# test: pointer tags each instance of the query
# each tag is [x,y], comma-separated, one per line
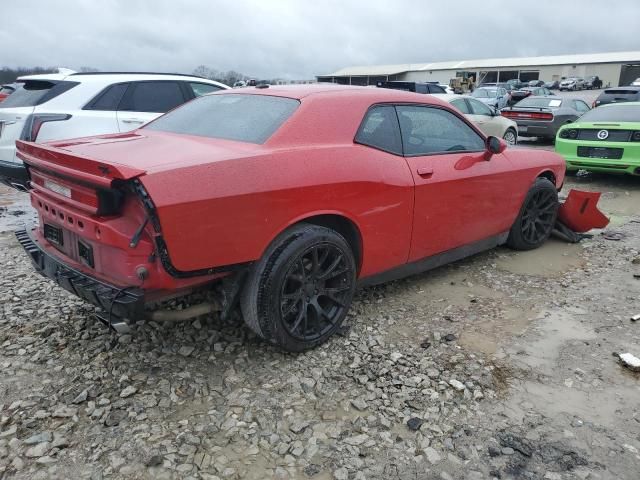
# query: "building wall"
[609,73]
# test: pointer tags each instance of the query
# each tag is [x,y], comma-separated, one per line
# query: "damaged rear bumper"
[118,303]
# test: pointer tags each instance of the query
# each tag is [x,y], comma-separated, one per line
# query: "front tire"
[300,291]
[536,218]
[510,136]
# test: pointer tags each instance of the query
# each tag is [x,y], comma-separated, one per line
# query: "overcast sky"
[301,39]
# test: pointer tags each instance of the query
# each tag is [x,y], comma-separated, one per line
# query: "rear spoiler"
[62,163]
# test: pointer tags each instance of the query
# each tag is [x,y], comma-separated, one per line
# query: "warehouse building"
[614,69]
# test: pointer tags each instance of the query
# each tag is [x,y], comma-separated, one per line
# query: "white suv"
[69,105]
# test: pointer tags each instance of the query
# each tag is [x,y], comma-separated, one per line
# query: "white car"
[70,105]
[487,119]
[636,82]
[572,83]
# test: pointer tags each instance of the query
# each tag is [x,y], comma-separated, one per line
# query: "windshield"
[239,117]
[613,113]
[484,93]
[540,102]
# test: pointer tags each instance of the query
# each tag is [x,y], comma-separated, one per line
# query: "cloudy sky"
[303,38]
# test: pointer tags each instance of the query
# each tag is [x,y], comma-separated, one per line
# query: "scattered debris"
[615,236]
[630,361]
[635,318]
[449,337]
[414,423]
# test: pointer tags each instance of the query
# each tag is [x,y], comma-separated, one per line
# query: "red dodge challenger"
[290,196]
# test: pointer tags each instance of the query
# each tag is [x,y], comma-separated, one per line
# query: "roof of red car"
[302,91]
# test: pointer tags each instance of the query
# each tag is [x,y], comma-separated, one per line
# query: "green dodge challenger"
[605,139]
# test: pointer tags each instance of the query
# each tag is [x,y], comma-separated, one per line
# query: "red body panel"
[221,202]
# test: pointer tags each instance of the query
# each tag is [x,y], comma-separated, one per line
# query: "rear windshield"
[244,118]
[484,93]
[621,92]
[540,102]
[613,113]
[35,92]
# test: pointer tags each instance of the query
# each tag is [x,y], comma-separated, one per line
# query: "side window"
[200,89]
[461,105]
[479,108]
[156,97]
[427,130]
[580,106]
[109,99]
[380,130]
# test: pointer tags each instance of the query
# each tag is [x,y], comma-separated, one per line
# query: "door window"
[479,108]
[380,130]
[155,97]
[428,130]
[109,99]
[200,89]
[461,105]
[580,106]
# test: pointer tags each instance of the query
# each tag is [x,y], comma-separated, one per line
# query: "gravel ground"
[499,366]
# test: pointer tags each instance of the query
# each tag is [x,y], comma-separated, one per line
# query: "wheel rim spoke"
[316,292]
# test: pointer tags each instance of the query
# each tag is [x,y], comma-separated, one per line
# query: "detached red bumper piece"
[580,211]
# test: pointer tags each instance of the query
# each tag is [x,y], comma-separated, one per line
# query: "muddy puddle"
[552,259]
[620,194]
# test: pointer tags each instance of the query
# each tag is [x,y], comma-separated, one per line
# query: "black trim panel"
[122,303]
[434,261]
[14,175]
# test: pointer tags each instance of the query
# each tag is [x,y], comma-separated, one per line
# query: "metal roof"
[374,70]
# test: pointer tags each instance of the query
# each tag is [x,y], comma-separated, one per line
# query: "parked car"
[506,85]
[496,97]
[402,183]
[617,95]
[486,118]
[552,85]
[416,87]
[536,83]
[572,83]
[592,82]
[606,139]
[543,116]
[525,92]
[6,90]
[447,88]
[636,82]
[68,105]
[517,84]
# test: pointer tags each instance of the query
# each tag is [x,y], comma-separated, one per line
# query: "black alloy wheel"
[537,217]
[315,292]
[297,295]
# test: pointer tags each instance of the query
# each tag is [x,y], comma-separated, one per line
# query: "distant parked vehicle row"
[540,116]
[70,105]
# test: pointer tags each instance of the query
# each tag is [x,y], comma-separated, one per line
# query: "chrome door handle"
[132,120]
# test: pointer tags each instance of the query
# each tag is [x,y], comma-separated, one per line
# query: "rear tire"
[536,218]
[300,291]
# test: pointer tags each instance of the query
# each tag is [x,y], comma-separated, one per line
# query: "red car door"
[461,191]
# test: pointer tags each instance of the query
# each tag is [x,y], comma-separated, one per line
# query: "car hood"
[153,151]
